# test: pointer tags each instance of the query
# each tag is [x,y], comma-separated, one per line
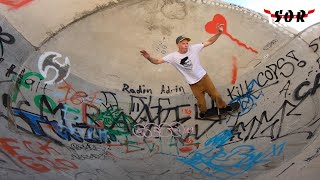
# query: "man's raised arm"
[215,37]
[146,55]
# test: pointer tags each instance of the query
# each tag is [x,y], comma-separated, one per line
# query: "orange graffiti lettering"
[34,166]
[33,163]
[10,149]
[27,143]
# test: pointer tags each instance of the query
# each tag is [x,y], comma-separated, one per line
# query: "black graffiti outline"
[270,44]
[316,154]
[285,169]
[273,135]
[286,88]
[10,40]
[311,45]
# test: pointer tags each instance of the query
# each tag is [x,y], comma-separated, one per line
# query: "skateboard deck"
[220,114]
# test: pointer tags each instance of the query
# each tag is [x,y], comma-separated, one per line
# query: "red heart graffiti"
[211,27]
[15,4]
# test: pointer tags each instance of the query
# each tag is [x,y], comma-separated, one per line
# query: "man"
[186,61]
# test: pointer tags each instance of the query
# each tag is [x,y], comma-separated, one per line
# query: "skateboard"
[220,114]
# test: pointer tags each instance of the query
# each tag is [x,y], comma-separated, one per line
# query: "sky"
[294,5]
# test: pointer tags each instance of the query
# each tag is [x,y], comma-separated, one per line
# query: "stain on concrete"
[174,10]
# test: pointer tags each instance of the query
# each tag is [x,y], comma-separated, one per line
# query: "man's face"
[183,45]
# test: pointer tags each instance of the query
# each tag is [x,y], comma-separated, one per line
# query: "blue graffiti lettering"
[247,100]
[214,161]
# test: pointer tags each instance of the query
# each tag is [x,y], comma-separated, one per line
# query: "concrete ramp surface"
[78,101]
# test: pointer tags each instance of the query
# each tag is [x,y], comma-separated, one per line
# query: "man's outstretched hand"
[145,54]
[220,28]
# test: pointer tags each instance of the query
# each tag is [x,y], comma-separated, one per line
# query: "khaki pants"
[205,85]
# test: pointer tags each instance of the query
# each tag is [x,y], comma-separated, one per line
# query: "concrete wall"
[59,125]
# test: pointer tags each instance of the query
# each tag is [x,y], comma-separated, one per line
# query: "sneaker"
[202,115]
[228,109]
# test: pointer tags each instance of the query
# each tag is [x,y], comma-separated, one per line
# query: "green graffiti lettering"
[37,102]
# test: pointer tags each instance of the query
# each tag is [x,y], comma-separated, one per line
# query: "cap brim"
[188,39]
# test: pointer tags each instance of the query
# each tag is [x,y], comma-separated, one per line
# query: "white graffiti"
[175,129]
[47,61]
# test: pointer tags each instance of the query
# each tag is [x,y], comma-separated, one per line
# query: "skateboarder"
[186,61]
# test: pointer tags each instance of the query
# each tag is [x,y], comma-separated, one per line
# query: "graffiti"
[38,149]
[76,97]
[149,148]
[281,68]
[285,169]
[140,90]
[178,146]
[91,156]
[211,28]
[314,46]
[111,118]
[271,73]
[88,123]
[169,90]
[99,127]
[155,114]
[317,154]
[186,111]
[311,91]
[286,88]
[15,76]
[215,161]
[188,145]
[301,63]
[15,4]
[22,81]
[95,126]
[273,123]
[85,147]
[175,129]
[49,61]
[10,70]
[234,70]
[28,82]
[88,151]
[247,100]
[5,38]
[270,44]
[161,47]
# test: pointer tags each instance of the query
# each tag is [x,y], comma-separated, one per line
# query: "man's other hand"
[145,54]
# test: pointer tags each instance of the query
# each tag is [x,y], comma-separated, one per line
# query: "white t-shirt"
[188,64]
